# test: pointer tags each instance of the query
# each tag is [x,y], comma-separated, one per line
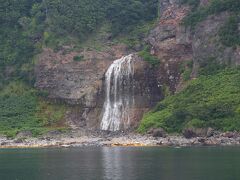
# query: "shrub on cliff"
[151,59]
[78,58]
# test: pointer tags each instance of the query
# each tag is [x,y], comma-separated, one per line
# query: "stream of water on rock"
[119,94]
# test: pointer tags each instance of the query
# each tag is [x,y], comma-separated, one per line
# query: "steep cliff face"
[78,84]
[81,85]
[174,42]
[171,42]
[206,43]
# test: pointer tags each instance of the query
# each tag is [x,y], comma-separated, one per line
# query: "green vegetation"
[78,58]
[209,101]
[17,45]
[124,15]
[80,18]
[29,25]
[21,109]
[145,54]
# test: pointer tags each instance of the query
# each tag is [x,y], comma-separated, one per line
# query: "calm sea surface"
[144,163]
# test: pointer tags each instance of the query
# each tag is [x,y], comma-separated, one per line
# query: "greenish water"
[143,163]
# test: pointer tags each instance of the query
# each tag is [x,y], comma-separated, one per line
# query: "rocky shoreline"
[79,139]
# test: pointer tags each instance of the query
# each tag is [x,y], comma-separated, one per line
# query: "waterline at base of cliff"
[79,138]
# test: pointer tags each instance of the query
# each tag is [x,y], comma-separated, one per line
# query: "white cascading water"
[119,94]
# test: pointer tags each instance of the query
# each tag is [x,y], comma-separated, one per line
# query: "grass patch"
[21,109]
[209,101]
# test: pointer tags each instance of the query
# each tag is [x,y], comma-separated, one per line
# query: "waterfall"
[119,94]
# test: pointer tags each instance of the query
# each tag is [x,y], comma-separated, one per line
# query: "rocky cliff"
[174,42]
[80,84]
[206,43]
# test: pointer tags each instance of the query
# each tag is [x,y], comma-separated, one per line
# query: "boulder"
[4,143]
[24,134]
[210,132]
[189,133]
[230,134]
[198,132]
[202,140]
[159,132]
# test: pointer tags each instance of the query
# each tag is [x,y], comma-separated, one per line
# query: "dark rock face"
[147,90]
